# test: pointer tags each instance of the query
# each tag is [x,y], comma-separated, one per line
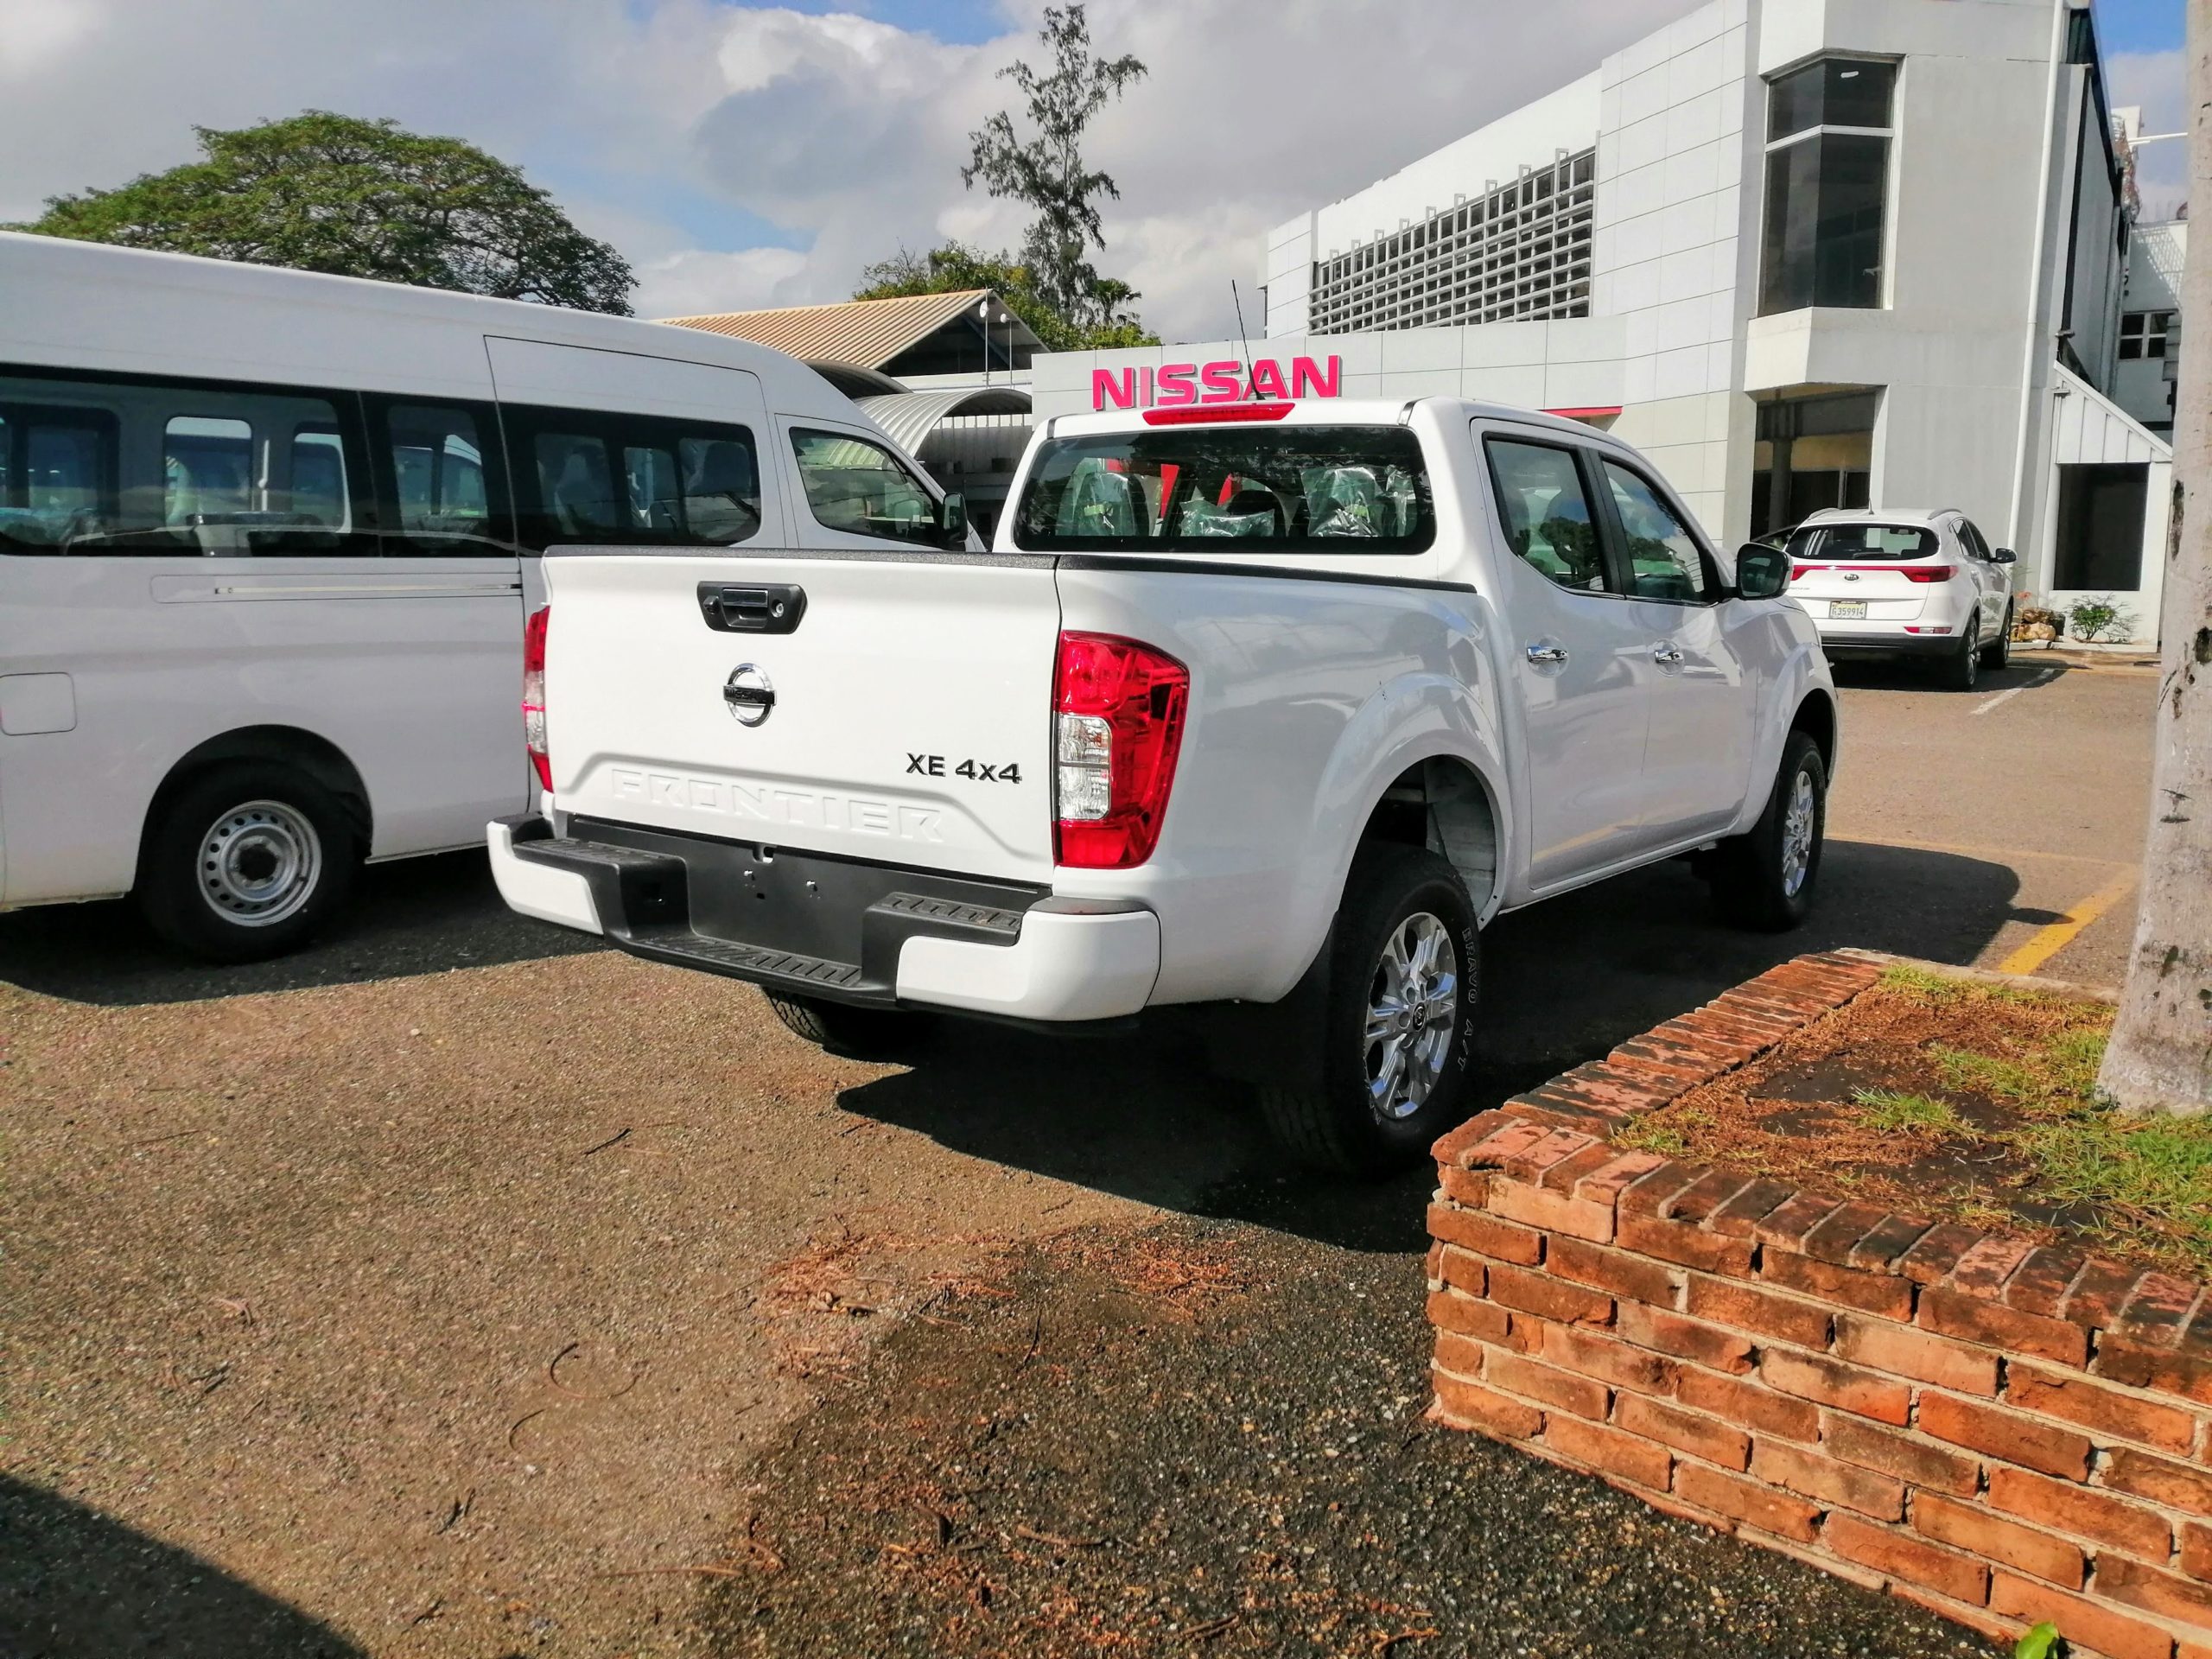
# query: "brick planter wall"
[2002,1431]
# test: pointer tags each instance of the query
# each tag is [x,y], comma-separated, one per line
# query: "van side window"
[112,465]
[857,486]
[443,493]
[638,481]
[1547,512]
[1664,560]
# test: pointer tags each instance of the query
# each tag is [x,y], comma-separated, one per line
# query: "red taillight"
[1798,570]
[533,694]
[1208,414]
[1928,573]
[1910,572]
[1117,719]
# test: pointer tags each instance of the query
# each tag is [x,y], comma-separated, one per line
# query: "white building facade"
[1803,253]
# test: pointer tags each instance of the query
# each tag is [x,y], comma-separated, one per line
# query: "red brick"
[1464,1272]
[1452,1147]
[1604,1185]
[2147,1368]
[1702,1437]
[1985,1267]
[1469,1405]
[1761,1310]
[1485,1235]
[2105,1410]
[1746,1501]
[2039,1284]
[1464,1316]
[1432,1263]
[1902,1556]
[2174,1484]
[1705,1195]
[1833,1383]
[1579,1394]
[1912,1353]
[2160,1309]
[1937,1252]
[2099,1292]
[1607,1358]
[1810,1474]
[1856,1440]
[1614,1271]
[2081,1510]
[1741,1215]
[1884,1242]
[1670,1333]
[1644,1195]
[1871,1293]
[1461,1356]
[1566,1175]
[1832,1241]
[1553,1212]
[1554,1298]
[1557,1146]
[1513,1136]
[2166,1594]
[2005,1434]
[1610,1451]
[1975,1318]
[1745,1403]
[2115,1634]
[1785,1227]
[1979,1532]
[1679,1240]
[1469,1189]
[2196,1549]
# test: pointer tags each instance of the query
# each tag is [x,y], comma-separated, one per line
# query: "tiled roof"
[869,332]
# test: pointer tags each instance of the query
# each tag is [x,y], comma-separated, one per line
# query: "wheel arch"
[1816,716]
[316,756]
[1446,803]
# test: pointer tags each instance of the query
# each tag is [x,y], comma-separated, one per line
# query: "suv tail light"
[533,694]
[1117,719]
[1928,573]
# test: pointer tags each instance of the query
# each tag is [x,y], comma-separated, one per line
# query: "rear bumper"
[1837,644]
[839,930]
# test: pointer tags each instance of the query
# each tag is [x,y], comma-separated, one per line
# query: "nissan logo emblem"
[750,698]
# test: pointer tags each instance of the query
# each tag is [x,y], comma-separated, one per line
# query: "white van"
[267,540]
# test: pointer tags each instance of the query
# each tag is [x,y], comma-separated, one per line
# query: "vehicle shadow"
[1903,674]
[1138,1115]
[415,916]
[76,1585]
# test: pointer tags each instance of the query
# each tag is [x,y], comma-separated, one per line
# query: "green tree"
[1046,169]
[954,266]
[352,198]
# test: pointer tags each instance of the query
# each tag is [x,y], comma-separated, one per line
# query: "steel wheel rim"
[259,863]
[1412,1011]
[1797,835]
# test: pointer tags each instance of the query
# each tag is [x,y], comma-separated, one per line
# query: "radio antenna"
[1250,391]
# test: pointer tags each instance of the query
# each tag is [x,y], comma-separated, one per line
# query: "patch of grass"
[1926,986]
[1893,1112]
[1669,1136]
[1962,1068]
[2151,1177]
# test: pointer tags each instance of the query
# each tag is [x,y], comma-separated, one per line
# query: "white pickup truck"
[1265,706]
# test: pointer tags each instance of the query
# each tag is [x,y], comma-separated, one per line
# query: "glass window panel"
[1824,213]
[576,482]
[319,477]
[1664,560]
[858,487]
[654,498]
[1547,513]
[442,498]
[1833,92]
[207,470]
[722,488]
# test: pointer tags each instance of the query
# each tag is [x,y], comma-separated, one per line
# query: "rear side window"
[860,488]
[625,479]
[445,488]
[1863,542]
[1546,513]
[1229,489]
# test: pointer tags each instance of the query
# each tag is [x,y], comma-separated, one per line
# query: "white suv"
[1910,583]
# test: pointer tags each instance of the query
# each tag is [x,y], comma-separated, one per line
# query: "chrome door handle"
[1665,655]
[1547,653]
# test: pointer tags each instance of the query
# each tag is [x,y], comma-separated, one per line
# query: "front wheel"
[1765,878]
[1405,963]
[246,862]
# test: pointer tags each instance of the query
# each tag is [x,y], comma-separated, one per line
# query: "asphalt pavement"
[440,1289]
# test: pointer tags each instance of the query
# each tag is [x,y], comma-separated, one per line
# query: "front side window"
[1827,161]
[1854,543]
[632,481]
[1230,489]
[1664,560]
[1546,513]
[858,487]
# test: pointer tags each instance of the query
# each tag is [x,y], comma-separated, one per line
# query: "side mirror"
[1762,572]
[952,520]
[2004,556]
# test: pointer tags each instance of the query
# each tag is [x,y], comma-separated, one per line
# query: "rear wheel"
[1396,1026]
[1997,653]
[246,862]
[858,1033]
[1961,669]
[1765,878]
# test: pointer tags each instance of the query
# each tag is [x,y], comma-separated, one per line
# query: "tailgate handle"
[771,607]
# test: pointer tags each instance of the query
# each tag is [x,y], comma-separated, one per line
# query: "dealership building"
[1803,253]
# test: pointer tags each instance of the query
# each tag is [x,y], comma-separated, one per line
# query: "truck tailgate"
[905,718]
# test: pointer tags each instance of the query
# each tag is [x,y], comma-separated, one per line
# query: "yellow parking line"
[2048,942]
[2011,853]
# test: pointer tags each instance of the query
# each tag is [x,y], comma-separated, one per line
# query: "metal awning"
[909,417]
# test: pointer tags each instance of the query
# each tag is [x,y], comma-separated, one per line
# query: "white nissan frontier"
[1264,707]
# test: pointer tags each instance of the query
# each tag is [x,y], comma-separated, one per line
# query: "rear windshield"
[1862,542]
[1340,489]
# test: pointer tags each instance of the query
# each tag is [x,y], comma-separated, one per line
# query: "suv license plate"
[1847,610]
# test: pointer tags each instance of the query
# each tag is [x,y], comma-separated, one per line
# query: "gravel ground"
[1165,1442]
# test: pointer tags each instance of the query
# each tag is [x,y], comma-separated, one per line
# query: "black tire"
[241,828]
[1751,884]
[1330,1119]
[1997,653]
[1961,669]
[857,1033]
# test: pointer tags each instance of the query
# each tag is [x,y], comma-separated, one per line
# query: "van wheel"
[247,861]
[1396,1026]
[1765,878]
[1961,669]
[1997,653]
[857,1033]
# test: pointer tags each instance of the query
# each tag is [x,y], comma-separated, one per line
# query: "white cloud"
[686,284]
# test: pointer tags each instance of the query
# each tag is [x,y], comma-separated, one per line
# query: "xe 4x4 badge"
[933,766]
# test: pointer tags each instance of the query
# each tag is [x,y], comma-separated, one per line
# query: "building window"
[2148,333]
[1827,164]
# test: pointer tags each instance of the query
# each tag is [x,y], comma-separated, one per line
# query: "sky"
[748,154]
